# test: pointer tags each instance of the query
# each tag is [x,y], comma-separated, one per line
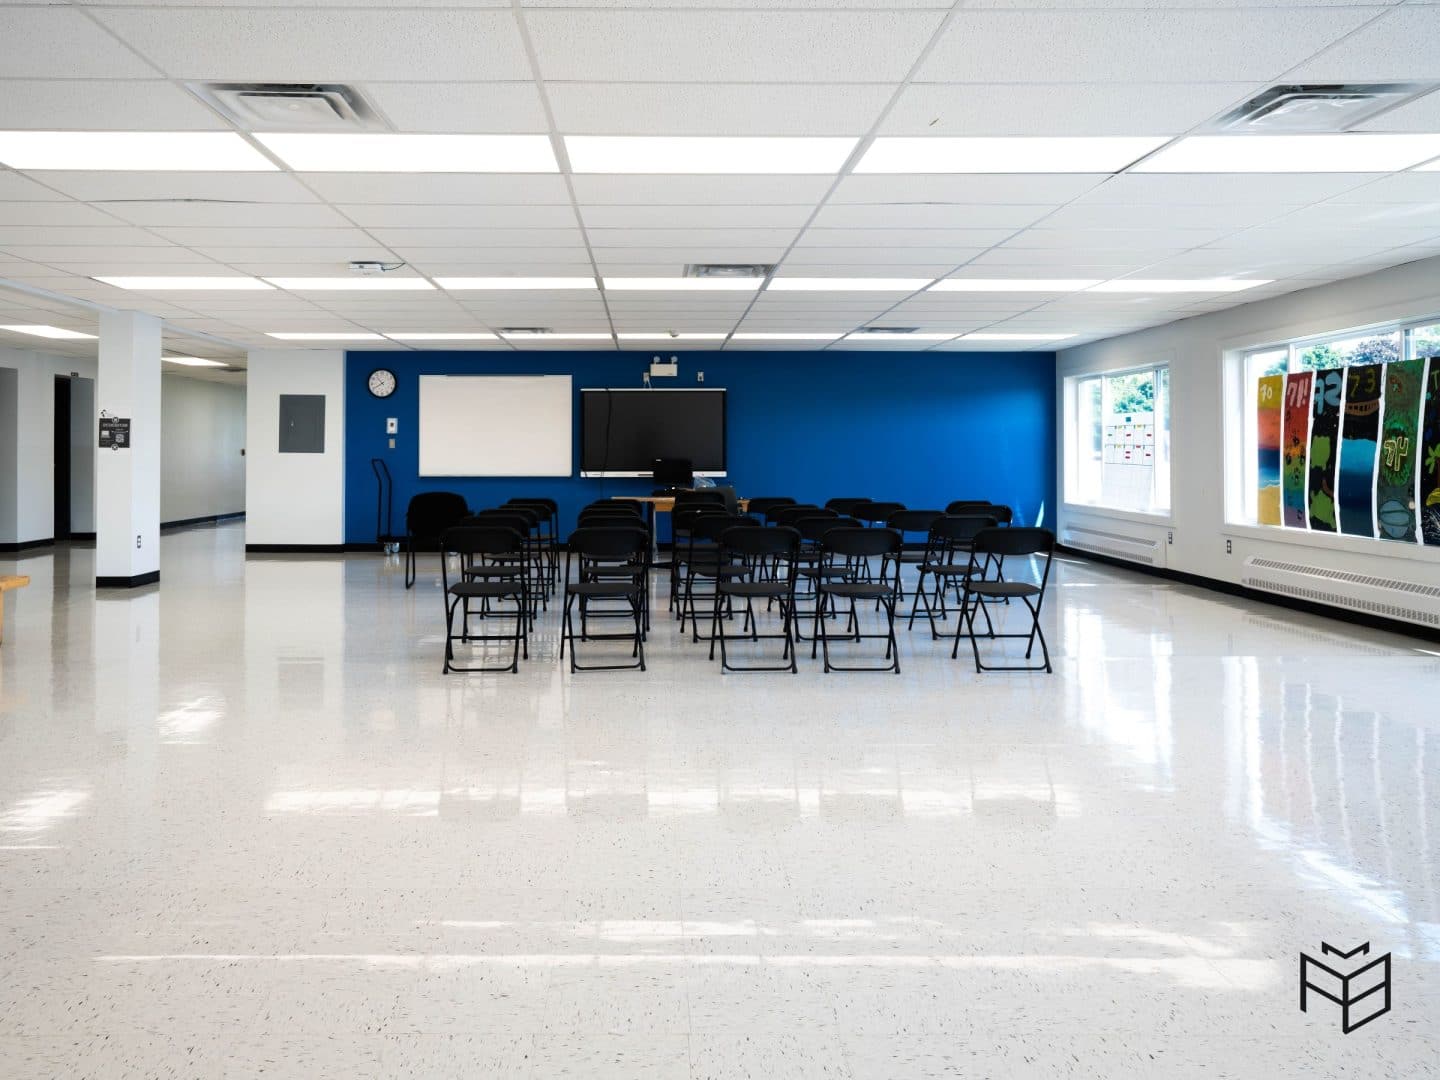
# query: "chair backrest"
[762,504]
[1019,540]
[545,509]
[789,515]
[917,521]
[775,513]
[862,542]
[1003,514]
[486,539]
[713,526]
[844,505]
[758,541]
[682,521]
[951,530]
[610,542]
[813,527]
[618,506]
[430,513]
[876,512]
[509,518]
[549,504]
[609,513]
[964,506]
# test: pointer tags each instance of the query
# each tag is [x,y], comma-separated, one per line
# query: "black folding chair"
[609,563]
[966,506]
[525,521]
[705,561]
[844,505]
[762,504]
[548,533]
[427,516]
[859,544]
[766,558]
[775,514]
[876,513]
[504,579]
[996,543]
[947,565]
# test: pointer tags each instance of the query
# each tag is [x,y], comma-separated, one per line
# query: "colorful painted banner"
[1359,437]
[1325,447]
[1430,457]
[1295,443]
[1268,401]
[1399,444]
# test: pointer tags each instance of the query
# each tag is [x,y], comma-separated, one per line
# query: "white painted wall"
[202,473]
[1195,349]
[294,498]
[127,482]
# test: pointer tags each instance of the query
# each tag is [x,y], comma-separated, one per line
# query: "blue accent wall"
[919,428]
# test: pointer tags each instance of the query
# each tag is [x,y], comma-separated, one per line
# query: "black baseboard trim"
[1310,607]
[81,537]
[295,549]
[208,519]
[370,547]
[26,545]
[128,582]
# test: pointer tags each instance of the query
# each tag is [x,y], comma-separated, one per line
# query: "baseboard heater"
[1392,598]
[1115,542]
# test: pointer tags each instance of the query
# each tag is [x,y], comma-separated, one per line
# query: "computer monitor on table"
[673,472]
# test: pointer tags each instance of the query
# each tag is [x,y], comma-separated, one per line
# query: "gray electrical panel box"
[302,423]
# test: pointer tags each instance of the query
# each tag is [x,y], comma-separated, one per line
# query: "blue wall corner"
[919,428]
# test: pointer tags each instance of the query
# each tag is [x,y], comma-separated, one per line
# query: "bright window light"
[477,336]
[351,284]
[480,284]
[1014,337]
[761,336]
[1013,285]
[881,335]
[841,284]
[665,335]
[1007,154]
[193,361]
[706,154]
[50,332]
[414,153]
[339,336]
[151,151]
[184,284]
[1350,152]
[1177,285]
[682,284]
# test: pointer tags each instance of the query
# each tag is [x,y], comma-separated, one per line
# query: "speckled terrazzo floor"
[248,829]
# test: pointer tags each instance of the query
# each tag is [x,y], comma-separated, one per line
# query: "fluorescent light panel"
[352,284]
[559,336]
[665,335]
[1013,285]
[342,335]
[391,153]
[1349,152]
[882,336]
[130,151]
[1177,285]
[826,284]
[1006,154]
[759,336]
[50,332]
[485,336]
[482,284]
[680,284]
[706,154]
[193,361]
[1014,337]
[184,284]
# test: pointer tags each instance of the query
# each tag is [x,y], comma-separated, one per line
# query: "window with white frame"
[1341,433]
[1117,431]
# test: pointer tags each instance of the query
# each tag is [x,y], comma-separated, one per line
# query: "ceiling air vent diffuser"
[728,270]
[1283,110]
[885,330]
[291,106]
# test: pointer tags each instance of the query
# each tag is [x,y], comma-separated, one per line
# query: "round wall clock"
[382,382]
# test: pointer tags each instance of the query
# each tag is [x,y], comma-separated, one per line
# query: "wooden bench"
[8,582]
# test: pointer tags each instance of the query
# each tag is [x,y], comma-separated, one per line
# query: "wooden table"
[7,582]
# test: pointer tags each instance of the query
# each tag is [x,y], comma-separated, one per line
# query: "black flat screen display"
[624,431]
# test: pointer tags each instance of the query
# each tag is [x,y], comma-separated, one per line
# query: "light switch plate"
[392,425]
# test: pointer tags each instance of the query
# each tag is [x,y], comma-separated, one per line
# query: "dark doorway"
[62,458]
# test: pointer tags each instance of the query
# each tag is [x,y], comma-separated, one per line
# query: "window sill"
[1163,520]
[1350,545]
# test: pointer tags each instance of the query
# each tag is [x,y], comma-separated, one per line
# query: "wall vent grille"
[1366,580]
[1391,611]
[1114,545]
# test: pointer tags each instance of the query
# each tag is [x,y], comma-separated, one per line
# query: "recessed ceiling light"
[1017,285]
[478,284]
[193,361]
[1014,337]
[390,153]
[1177,285]
[680,284]
[552,335]
[50,332]
[150,151]
[841,284]
[903,335]
[184,284]
[1350,152]
[759,336]
[351,284]
[339,336]
[706,154]
[665,335]
[1007,154]
[477,336]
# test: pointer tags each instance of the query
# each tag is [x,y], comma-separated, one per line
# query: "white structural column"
[127,481]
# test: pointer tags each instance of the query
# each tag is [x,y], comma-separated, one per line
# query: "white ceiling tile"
[628,259]
[906,238]
[884,258]
[687,238]
[1381,217]
[368,215]
[996,188]
[1408,187]
[441,188]
[478,238]
[12,235]
[729,46]
[202,214]
[75,253]
[587,108]
[492,108]
[1388,48]
[112,268]
[1159,217]
[497,257]
[1421,115]
[1135,45]
[1220,189]
[602,189]
[219,236]
[1116,239]
[800,266]
[41,41]
[943,216]
[1060,109]
[313,45]
[17,188]
[308,255]
[63,214]
[122,186]
[91,105]
[693,217]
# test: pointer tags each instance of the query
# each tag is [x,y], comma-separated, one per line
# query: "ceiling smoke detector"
[728,270]
[291,106]
[1283,110]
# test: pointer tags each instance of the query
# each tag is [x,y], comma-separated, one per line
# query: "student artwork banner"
[1269,397]
[1359,437]
[1329,396]
[1395,509]
[1430,457]
[1295,443]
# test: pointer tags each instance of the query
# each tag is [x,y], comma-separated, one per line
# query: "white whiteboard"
[495,425]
